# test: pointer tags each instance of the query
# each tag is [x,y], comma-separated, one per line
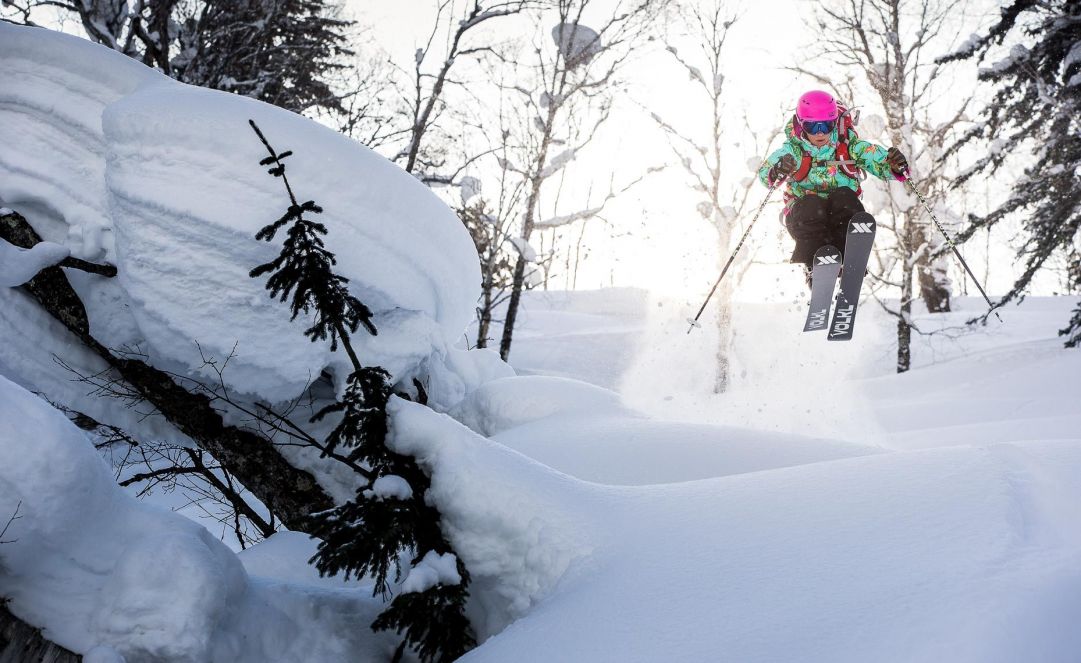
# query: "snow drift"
[960,554]
[119,163]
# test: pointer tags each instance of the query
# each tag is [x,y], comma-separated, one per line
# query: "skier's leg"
[843,203]
[808,224]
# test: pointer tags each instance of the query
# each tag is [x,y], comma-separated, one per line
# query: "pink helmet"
[817,105]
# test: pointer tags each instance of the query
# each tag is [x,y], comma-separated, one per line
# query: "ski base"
[826,267]
[858,243]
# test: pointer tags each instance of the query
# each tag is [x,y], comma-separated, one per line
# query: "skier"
[823,161]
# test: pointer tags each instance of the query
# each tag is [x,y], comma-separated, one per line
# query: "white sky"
[669,248]
[655,238]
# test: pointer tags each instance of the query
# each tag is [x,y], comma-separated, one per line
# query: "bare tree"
[703,153]
[889,42]
[565,103]
[154,465]
[425,101]
[14,516]
[491,222]
[368,92]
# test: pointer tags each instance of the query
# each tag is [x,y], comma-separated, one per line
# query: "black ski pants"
[815,221]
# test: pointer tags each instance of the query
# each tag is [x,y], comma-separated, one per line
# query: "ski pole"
[694,321]
[923,201]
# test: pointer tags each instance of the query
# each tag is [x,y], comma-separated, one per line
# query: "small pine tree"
[1038,97]
[368,535]
[304,268]
[433,620]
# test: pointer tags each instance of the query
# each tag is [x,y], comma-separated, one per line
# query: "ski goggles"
[818,127]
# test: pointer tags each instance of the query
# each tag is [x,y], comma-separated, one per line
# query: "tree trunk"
[512,309]
[904,330]
[21,642]
[931,273]
[291,494]
[723,379]
[484,311]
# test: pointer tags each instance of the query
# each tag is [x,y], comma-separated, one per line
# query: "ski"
[858,242]
[827,264]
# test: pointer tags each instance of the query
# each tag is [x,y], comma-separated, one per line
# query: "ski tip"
[827,255]
[861,223]
[827,248]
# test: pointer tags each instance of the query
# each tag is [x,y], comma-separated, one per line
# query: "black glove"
[784,167]
[896,161]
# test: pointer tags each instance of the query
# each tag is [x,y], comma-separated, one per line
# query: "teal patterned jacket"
[824,178]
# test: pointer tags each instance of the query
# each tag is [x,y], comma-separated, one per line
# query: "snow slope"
[119,163]
[958,539]
[965,554]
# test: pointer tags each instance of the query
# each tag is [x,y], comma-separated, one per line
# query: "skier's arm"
[872,158]
[771,161]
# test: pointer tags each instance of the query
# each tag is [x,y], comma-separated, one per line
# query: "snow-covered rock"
[119,163]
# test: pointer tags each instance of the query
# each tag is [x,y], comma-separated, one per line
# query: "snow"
[939,524]
[652,452]
[434,569]
[105,574]
[940,527]
[557,163]
[17,266]
[511,402]
[606,503]
[578,44]
[524,248]
[872,127]
[566,219]
[470,188]
[284,557]
[512,520]
[121,164]
[964,567]
[389,486]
